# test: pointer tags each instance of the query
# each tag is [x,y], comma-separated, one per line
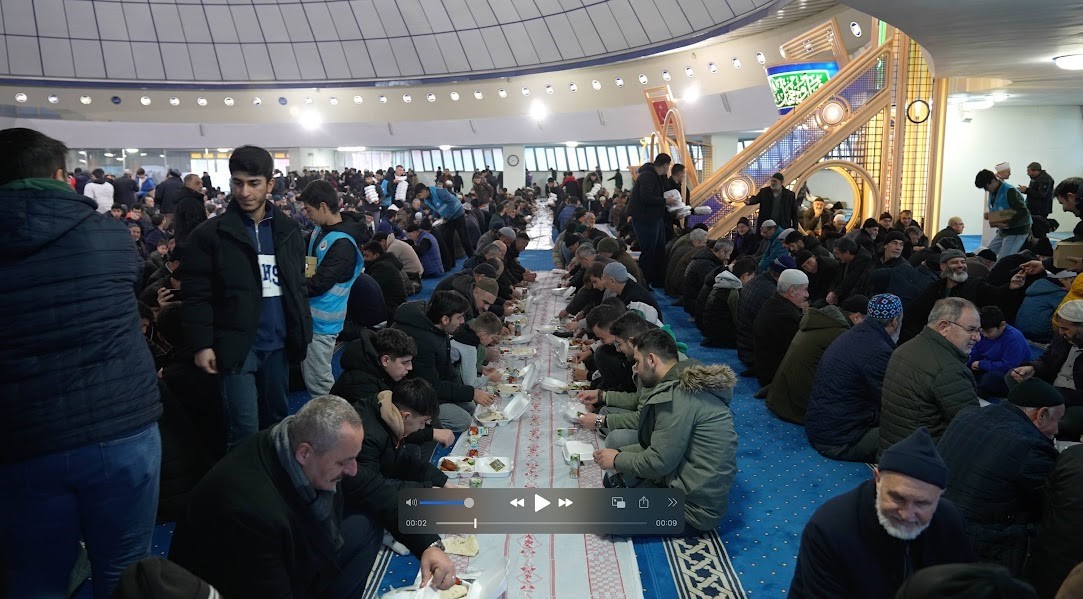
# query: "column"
[514,175]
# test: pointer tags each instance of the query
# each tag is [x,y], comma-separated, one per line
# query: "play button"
[540,503]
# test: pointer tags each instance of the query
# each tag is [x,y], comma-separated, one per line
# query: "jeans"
[362,537]
[105,494]
[652,250]
[864,450]
[316,368]
[255,396]
[1005,245]
[991,385]
[456,417]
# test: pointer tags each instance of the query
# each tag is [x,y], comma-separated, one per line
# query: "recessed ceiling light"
[20,97]
[572,87]
[145,100]
[619,82]
[161,155]
[978,104]
[454,96]
[228,101]
[308,99]
[200,100]
[358,99]
[282,101]
[383,99]
[736,62]
[256,101]
[115,99]
[131,150]
[549,89]
[431,97]
[665,76]
[503,93]
[108,154]
[1070,62]
[526,91]
[597,85]
[643,79]
[444,148]
[712,67]
[85,99]
[53,98]
[760,58]
[572,144]
[333,101]
[142,153]
[174,101]
[689,72]
[855,28]
[478,95]
[407,98]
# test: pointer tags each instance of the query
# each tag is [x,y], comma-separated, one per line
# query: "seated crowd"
[881,346]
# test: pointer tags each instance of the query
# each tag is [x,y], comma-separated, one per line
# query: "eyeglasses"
[969,330]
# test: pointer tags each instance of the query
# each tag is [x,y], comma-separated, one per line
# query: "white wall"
[1020,135]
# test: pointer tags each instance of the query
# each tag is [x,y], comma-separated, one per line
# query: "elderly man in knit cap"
[745,240]
[777,323]
[842,420]
[615,250]
[1000,457]
[773,246]
[777,203]
[927,381]
[868,541]
[894,274]
[753,296]
[955,281]
[1061,366]
[615,278]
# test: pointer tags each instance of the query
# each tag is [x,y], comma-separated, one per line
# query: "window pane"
[551,159]
[573,158]
[529,161]
[479,160]
[603,159]
[498,159]
[562,158]
[543,164]
[426,161]
[592,158]
[488,158]
[457,160]
[415,160]
[611,152]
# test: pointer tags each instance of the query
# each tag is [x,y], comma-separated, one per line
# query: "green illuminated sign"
[794,83]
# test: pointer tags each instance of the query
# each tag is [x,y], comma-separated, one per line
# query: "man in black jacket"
[245,298]
[387,270]
[999,458]
[616,279]
[777,203]
[430,325]
[648,209]
[853,278]
[777,323]
[166,195]
[1060,547]
[866,542]
[1039,192]
[80,451]
[267,520]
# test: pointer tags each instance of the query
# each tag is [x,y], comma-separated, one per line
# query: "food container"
[584,450]
[515,408]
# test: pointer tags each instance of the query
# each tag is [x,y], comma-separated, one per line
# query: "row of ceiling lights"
[22,97]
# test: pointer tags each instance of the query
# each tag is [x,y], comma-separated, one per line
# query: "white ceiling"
[294,41]
[1006,39]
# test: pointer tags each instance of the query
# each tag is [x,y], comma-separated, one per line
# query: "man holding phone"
[245,301]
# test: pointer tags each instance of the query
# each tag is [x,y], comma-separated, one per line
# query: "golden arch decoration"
[868,196]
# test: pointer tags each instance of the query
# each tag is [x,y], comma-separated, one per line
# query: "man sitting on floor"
[468,345]
[866,542]
[754,295]
[614,369]
[375,363]
[1000,457]
[842,421]
[686,435]
[267,520]
[777,323]
[927,381]
[1002,348]
[616,279]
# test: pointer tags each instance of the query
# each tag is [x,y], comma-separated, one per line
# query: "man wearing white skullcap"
[777,323]
[1061,367]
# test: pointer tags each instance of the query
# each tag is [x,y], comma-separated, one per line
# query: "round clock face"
[512,160]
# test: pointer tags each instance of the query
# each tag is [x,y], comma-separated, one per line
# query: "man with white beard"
[956,282]
[866,542]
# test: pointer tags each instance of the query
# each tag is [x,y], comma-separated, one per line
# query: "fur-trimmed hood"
[707,377]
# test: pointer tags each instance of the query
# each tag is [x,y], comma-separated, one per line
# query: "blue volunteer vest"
[999,200]
[329,309]
[431,261]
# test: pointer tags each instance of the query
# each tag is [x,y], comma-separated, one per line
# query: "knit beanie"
[616,271]
[916,457]
[506,232]
[950,254]
[855,304]
[869,223]
[1035,393]
[802,257]
[485,270]
[488,285]
[608,245]
[158,578]
[895,236]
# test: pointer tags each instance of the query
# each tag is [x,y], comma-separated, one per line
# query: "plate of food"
[546,329]
[521,339]
[513,409]
[525,377]
[457,465]
[494,467]
[572,412]
[486,578]
[560,271]
[585,451]
[518,352]
[515,318]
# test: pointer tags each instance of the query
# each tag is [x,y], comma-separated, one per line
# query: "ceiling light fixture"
[308,99]
[228,101]
[978,104]
[454,96]
[642,79]
[689,72]
[572,144]
[665,76]
[407,98]
[478,95]
[310,120]
[383,99]
[224,150]
[619,82]
[20,97]
[444,148]
[832,112]
[200,100]
[82,152]
[351,148]
[431,97]
[855,28]
[53,98]
[132,150]
[1000,96]
[1070,62]
[115,99]
[572,87]
[958,98]
[142,153]
[145,100]
[736,62]
[85,99]
[333,101]
[549,89]
[597,85]
[282,101]
[526,91]
[538,111]
[712,67]
[256,101]
[760,58]
[174,101]
[358,99]
[503,93]
[108,154]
